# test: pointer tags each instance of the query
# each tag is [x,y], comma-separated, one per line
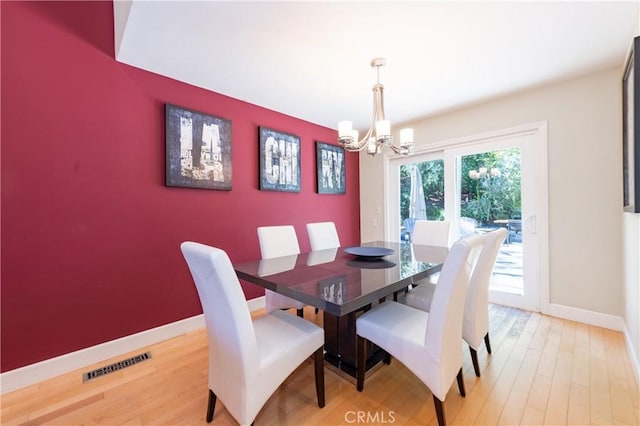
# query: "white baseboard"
[612,322]
[38,372]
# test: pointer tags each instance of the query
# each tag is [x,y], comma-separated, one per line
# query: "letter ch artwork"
[279,161]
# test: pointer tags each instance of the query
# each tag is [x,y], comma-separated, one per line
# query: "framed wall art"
[330,169]
[198,149]
[279,161]
[631,130]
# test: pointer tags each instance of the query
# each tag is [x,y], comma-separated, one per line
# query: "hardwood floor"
[543,370]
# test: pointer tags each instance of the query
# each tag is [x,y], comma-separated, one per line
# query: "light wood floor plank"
[600,407]
[532,417]
[558,402]
[542,370]
[516,403]
[578,410]
[619,382]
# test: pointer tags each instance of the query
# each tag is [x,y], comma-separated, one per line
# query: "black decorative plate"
[369,252]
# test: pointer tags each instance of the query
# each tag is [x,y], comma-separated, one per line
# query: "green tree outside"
[485,199]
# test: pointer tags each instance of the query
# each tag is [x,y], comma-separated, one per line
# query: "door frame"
[537,130]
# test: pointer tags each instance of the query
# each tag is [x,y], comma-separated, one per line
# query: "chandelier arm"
[396,149]
[372,127]
[366,137]
[374,118]
[362,143]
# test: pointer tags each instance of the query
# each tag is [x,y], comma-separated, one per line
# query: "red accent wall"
[90,233]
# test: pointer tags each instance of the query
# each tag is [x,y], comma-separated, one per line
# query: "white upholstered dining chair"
[431,233]
[248,359]
[278,241]
[323,235]
[428,344]
[475,326]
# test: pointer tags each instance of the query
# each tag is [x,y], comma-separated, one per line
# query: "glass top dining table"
[338,282]
[344,285]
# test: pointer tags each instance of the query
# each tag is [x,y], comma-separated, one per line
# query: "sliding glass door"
[478,187]
[490,197]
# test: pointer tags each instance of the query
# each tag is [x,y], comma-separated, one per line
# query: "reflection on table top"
[340,283]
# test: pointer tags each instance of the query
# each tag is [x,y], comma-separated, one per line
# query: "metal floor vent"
[115,367]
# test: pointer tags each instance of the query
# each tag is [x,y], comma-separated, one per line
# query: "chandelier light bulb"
[406,136]
[344,129]
[383,128]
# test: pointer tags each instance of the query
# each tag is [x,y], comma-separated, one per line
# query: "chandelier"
[379,134]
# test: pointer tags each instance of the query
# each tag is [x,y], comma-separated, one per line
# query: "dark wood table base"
[340,343]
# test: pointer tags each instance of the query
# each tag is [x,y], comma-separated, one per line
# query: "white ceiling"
[311,60]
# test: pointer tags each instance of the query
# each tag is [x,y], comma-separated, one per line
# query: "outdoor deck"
[507,274]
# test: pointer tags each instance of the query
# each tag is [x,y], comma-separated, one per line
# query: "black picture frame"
[631,130]
[330,169]
[279,161]
[206,165]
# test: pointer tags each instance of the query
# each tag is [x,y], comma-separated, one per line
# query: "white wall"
[585,202]
[631,229]
[632,283]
